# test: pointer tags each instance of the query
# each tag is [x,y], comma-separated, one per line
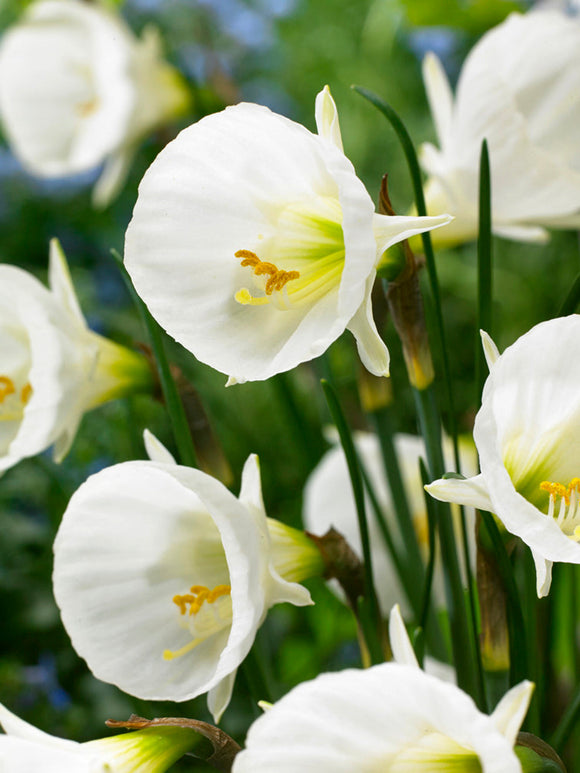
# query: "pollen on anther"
[6,387]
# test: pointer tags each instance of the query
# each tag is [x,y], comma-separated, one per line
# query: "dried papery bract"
[518,89]
[254,244]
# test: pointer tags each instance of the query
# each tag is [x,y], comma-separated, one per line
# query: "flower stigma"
[568,515]
[206,620]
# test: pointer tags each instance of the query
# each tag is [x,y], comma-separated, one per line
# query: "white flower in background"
[53,368]
[391,717]
[78,88]
[527,433]
[163,576]
[329,501]
[254,244]
[519,89]
[24,749]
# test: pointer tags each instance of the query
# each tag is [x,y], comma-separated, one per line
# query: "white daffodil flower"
[254,243]
[78,89]
[518,89]
[391,717]
[24,748]
[329,501]
[163,576]
[527,433]
[53,367]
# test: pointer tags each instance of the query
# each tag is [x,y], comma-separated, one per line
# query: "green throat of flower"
[302,262]
[13,399]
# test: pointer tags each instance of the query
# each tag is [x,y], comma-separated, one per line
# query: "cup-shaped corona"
[77,88]
[163,592]
[518,89]
[254,243]
[53,367]
[527,434]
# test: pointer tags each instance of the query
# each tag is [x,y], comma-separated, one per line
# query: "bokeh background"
[279,53]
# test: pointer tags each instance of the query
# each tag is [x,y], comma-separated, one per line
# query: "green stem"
[484,269]
[384,428]
[572,299]
[432,521]
[415,172]
[567,723]
[371,620]
[463,636]
[173,404]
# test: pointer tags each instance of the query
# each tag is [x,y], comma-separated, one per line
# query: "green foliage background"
[295,52]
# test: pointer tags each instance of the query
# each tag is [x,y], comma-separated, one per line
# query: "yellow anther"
[556,490]
[84,109]
[25,393]
[6,387]
[278,278]
[199,594]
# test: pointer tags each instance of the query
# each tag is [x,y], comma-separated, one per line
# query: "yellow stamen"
[25,393]
[559,490]
[6,387]
[278,278]
[84,109]
[198,595]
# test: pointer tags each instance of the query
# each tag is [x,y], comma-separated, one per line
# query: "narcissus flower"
[163,576]
[518,89]
[527,433]
[254,244]
[53,367]
[24,748]
[77,88]
[391,717]
[329,501]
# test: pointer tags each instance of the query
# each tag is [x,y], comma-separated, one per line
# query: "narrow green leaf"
[484,269]
[354,469]
[175,410]
[572,299]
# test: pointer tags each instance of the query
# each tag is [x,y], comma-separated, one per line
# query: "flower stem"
[484,269]
[567,723]
[369,608]
[175,409]
[463,634]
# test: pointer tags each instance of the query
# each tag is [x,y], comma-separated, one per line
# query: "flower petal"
[371,348]
[326,115]
[403,651]
[156,451]
[471,492]
[439,96]
[509,713]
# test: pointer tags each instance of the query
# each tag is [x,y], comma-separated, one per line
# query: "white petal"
[326,115]
[371,348]
[20,756]
[251,488]
[15,726]
[510,712]
[115,577]
[391,229]
[401,646]
[156,451]
[490,350]
[371,720]
[439,96]
[543,574]
[113,176]
[522,233]
[219,696]
[471,492]
[61,283]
